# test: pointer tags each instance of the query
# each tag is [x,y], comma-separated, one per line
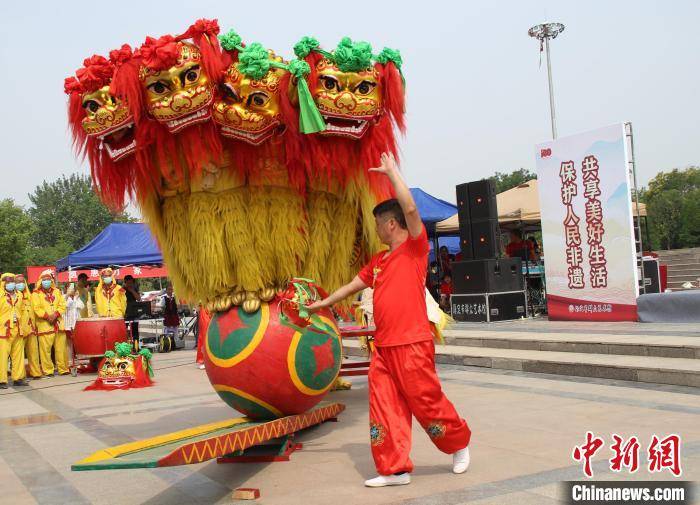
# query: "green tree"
[66,215]
[505,181]
[673,208]
[15,230]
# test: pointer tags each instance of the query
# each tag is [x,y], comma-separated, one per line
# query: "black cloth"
[130,301]
[170,315]
[130,298]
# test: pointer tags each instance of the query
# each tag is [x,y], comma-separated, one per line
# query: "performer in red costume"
[402,377]
[203,325]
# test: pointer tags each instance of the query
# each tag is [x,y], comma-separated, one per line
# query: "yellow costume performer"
[27,327]
[49,306]
[11,342]
[110,298]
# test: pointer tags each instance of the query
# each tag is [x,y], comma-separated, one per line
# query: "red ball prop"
[266,365]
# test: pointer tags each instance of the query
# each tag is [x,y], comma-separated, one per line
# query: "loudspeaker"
[465,230]
[465,242]
[482,200]
[489,307]
[487,276]
[485,238]
[462,200]
[652,276]
[507,306]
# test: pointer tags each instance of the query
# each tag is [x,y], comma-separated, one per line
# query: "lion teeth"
[200,114]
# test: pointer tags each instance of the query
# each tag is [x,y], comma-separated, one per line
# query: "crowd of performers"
[37,324]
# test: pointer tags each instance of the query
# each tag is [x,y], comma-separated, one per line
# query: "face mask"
[20,286]
[10,286]
[107,280]
[46,284]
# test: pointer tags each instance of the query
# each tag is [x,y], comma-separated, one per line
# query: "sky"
[477,99]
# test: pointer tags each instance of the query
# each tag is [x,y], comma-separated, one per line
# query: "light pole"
[543,33]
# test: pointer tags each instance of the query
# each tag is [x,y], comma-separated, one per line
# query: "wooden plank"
[202,443]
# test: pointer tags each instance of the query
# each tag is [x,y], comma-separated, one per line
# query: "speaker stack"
[485,287]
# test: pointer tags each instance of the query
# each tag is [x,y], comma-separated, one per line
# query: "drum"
[94,336]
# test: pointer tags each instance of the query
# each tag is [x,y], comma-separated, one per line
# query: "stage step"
[683,266]
[652,369]
[628,345]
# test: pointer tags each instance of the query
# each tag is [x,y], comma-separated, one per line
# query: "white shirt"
[73,307]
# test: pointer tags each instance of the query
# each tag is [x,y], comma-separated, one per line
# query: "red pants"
[203,326]
[403,382]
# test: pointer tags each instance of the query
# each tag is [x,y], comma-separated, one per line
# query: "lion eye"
[91,105]
[158,87]
[190,75]
[365,87]
[330,83]
[258,99]
[229,92]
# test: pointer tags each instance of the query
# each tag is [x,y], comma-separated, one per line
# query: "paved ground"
[525,427]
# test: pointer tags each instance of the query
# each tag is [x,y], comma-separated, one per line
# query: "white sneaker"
[201,366]
[389,480]
[460,460]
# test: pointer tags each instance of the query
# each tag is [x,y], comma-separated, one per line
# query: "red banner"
[561,308]
[94,274]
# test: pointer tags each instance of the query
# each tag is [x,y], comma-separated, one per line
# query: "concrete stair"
[683,266]
[663,359]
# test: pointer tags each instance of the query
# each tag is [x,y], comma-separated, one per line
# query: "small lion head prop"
[120,369]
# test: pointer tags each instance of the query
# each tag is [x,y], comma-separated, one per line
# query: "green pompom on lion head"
[299,68]
[230,41]
[254,61]
[352,56]
[304,47]
[389,55]
[123,349]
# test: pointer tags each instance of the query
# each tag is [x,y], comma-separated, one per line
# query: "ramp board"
[204,442]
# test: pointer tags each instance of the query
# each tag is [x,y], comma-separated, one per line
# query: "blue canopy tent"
[433,210]
[118,244]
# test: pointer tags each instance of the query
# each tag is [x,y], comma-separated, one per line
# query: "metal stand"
[637,223]
[278,450]
[543,33]
[360,367]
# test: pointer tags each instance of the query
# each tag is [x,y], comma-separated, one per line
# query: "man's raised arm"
[403,194]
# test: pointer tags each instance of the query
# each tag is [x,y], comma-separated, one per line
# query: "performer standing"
[133,296]
[402,377]
[49,306]
[11,341]
[74,307]
[110,298]
[85,296]
[27,327]
[171,318]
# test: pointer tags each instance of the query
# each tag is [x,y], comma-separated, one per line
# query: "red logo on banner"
[544,153]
